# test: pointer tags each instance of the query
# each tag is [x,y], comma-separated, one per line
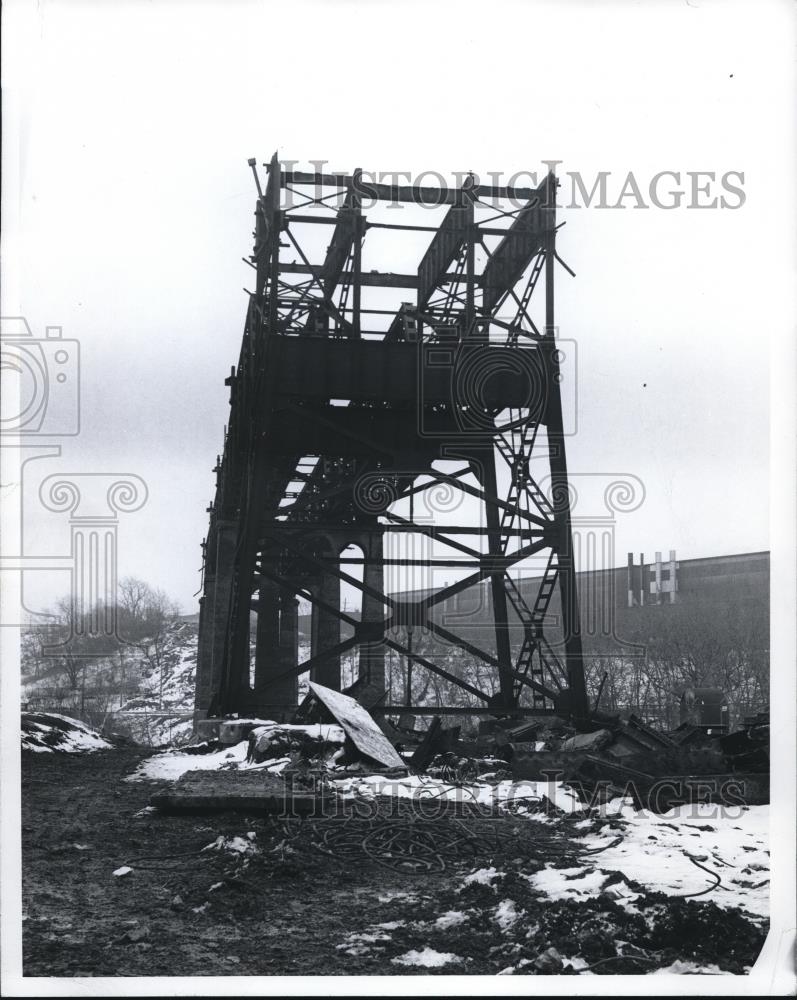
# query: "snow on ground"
[330,733]
[451,918]
[234,845]
[656,851]
[659,851]
[47,732]
[169,765]
[482,876]
[428,958]
[152,704]
[520,795]
[662,853]
[145,718]
[680,853]
[507,914]
[569,883]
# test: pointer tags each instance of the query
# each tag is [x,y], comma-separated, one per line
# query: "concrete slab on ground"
[244,791]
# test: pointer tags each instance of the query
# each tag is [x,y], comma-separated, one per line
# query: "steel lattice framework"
[342,408]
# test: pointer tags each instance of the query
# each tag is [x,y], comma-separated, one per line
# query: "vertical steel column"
[220,592]
[571,625]
[500,607]
[284,693]
[503,647]
[372,651]
[275,224]
[326,633]
[470,261]
[267,642]
[357,255]
[204,658]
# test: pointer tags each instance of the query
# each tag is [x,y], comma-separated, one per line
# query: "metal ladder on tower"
[451,296]
[515,327]
[521,480]
[547,667]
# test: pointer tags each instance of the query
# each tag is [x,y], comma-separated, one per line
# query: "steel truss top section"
[416,193]
[465,272]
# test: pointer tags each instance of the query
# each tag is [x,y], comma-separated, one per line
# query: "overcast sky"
[128,207]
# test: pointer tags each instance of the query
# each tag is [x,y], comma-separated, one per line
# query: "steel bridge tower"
[347,406]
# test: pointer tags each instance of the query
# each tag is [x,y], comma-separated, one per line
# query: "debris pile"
[748,749]
[338,739]
[659,770]
[298,744]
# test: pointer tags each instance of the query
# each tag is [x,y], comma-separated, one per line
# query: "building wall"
[705,584]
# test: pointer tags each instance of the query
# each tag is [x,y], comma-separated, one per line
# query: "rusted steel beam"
[418,194]
[514,253]
[571,622]
[387,561]
[377,279]
[339,368]
[340,247]
[440,532]
[441,252]
[358,637]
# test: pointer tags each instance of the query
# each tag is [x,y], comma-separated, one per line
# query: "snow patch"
[656,852]
[169,765]
[482,876]
[172,764]
[451,918]
[233,845]
[428,958]
[503,794]
[577,963]
[568,883]
[48,732]
[507,914]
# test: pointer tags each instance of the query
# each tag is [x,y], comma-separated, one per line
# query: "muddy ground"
[289,908]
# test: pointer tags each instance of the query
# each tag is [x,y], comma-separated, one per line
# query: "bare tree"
[699,643]
[145,617]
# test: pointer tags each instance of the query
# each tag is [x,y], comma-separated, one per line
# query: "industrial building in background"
[345,403]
